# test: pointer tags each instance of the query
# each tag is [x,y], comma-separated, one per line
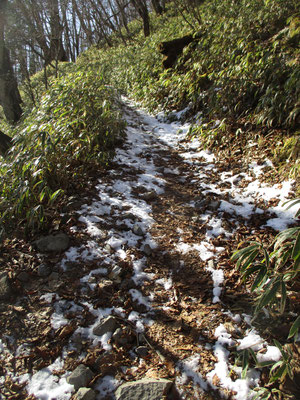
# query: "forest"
[105,100]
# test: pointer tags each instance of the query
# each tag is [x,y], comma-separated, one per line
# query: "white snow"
[272,354]
[108,246]
[46,386]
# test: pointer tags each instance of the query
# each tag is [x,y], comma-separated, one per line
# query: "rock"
[144,389]
[122,337]
[214,205]
[106,363]
[108,248]
[201,204]
[80,377]
[128,215]
[43,271]
[141,338]
[108,324]
[142,351]
[152,195]
[5,289]
[115,272]
[127,284]
[147,250]
[53,243]
[85,394]
[137,230]
[23,277]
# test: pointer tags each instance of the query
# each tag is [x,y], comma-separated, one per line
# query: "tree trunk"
[157,7]
[10,98]
[57,51]
[141,7]
[5,143]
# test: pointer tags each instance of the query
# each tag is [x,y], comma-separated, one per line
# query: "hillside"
[119,223]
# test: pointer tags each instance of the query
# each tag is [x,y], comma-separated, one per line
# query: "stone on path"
[108,324]
[43,271]
[144,389]
[80,377]
[152,195]
[53,243]
[137,230]
[5,289]
[147,250]
[85,394]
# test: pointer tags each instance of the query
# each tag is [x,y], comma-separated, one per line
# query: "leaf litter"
[151,246]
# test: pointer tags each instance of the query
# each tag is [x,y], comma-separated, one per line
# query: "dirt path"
[151,246]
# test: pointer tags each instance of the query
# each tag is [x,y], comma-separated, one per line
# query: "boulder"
[147,250]
[108,324]
[53,243]
[85,394]
[144,389]
[137,230]
[142,351]
[148,196]
[80,377]
[115,272]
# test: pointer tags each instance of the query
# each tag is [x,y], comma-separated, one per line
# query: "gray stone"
[151,195]
[147,249]
[127,284]
[108,324]
[43,270]
[53,243]
[108,248]
[144,389]
[115,272]
[5,289]
[128,215]
[85,394]
[106,363]
[214,205]
[23,276]
[80,377]
[142,351]
[141,338]
[137,230]
[201,204]
[119,338]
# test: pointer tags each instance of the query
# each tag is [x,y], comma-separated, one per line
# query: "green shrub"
[272,272]
[77,122]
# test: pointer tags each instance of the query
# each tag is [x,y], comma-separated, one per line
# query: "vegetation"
[77,124]
[239,77]
[272,272]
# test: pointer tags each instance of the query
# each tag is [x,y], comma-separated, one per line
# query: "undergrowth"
[76,124]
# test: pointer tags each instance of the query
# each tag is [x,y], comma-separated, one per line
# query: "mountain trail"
[150,247]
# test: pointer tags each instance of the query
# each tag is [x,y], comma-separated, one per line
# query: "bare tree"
[10,98]
[159,7]
[142,9]
[43,28]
